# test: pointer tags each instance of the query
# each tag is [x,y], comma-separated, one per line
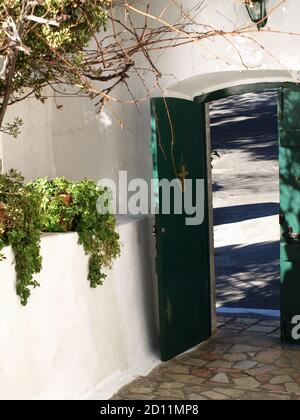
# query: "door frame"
[246,88]
[206,99]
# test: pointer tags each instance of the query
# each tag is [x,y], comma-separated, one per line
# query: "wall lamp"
[257,10]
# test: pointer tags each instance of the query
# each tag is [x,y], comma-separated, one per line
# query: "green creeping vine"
[54,206]
[20,227]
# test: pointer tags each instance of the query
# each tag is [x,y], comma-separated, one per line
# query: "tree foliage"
[65,28]
[42,43]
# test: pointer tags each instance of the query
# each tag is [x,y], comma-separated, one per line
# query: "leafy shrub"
[57,205]
[72,206]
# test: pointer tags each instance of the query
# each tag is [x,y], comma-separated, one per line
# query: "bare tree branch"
[127,50]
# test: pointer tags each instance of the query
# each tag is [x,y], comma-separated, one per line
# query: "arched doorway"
[185,253]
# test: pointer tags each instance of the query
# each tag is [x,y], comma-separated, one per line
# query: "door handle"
[158,231]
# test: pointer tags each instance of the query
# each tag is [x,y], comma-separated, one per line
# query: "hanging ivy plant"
[20,224]
[54,206]
[97,232]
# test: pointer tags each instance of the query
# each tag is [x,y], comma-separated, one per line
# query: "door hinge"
[281,105]
[281,219]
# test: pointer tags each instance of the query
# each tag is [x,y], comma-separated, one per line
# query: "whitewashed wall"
[72,341]
[31,152]
[75,142]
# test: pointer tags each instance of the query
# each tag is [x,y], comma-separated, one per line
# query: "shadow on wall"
[252,114]
[149,289]
[248,274]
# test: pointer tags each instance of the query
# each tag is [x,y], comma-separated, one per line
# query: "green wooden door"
[178,137]
[289,163]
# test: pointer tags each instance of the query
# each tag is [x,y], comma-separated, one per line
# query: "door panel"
[289,164]
[178,132]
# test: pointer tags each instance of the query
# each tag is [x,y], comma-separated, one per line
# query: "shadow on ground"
[234,214]
[248,276]
[247,121]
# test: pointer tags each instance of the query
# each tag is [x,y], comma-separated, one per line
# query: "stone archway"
[204,84]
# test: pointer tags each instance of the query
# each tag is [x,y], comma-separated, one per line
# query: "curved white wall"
[71,339]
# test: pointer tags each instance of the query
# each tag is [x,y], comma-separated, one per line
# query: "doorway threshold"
[265,312]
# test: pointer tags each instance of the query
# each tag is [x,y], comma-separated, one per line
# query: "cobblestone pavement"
[244,360]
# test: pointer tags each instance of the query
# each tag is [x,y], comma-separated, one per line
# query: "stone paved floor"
[243,361]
